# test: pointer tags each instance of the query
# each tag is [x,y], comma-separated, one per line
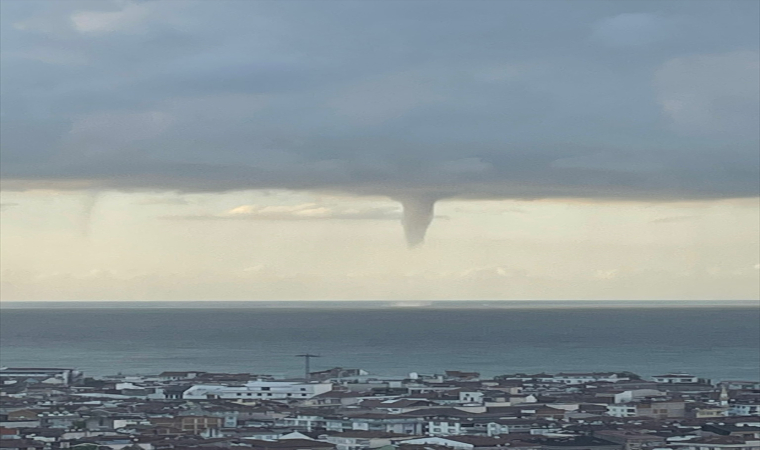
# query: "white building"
[258,390]
[740,385]
[507,426]
[581,378]
[359,440]
[675,378]
[441,442]
[471,397]
[175,376]
[637,394]
[745,409]
[444,428]
[621,410]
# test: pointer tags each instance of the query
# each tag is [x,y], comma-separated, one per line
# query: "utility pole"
[307,359]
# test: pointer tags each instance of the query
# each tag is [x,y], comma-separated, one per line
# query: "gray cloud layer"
[518,99]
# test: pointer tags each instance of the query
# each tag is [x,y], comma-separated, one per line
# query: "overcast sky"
[253,149]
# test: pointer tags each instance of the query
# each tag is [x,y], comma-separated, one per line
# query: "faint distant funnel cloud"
[89,202]
[418,213]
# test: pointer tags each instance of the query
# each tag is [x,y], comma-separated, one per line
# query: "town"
[350,409]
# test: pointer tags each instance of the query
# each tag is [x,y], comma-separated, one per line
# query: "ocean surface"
[387,339]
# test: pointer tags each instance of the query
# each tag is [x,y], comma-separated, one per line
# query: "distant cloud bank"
[519,99]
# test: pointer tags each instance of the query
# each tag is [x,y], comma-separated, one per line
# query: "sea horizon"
[386,340]
[372,304]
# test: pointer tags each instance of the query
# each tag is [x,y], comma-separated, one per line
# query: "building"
[388,423]
[582,378]
[444,427]
[358,440]
[671,409]
[462,376]
[290,444]
[717,443]
[175,376]
[257,390]
[195,425]
[53,376]
[441,442]
[746,431]
[676,378]
[633,395]
[631,440]
[21,444]
[744,409]
[579,443]
[56,419]
[707,411]
[336,373]
[741,385]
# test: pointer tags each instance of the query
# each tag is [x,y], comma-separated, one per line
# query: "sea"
[715,340]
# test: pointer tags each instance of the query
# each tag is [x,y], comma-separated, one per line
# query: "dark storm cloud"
[420,100]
